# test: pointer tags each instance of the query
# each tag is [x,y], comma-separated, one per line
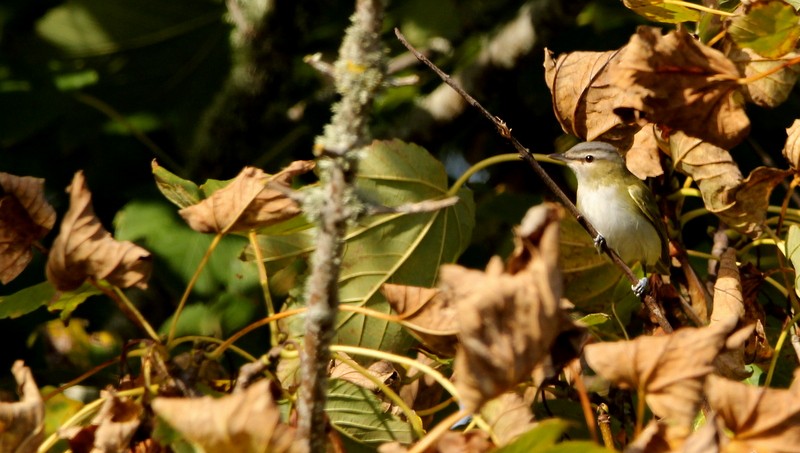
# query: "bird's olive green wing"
[647,204]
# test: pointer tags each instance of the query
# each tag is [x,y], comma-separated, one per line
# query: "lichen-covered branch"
[358,74]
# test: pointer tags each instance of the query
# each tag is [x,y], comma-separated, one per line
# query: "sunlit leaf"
[770,28]
[660,11]
[181,192]
[391,248]
[29,299]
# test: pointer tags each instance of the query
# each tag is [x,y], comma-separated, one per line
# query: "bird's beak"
[557,157]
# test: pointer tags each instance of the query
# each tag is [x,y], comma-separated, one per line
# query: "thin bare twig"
[413,208]
[527,156]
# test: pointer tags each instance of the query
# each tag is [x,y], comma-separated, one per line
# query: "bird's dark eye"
[589,159]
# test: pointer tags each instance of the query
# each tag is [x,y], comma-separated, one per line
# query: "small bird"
[619,205]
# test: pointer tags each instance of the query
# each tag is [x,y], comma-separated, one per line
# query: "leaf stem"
[778,346]
[382,355]
[190,285]
[769,72]
[137,314]
[411,416]
[263,280]
[437,432]
[697,7]
[485,163]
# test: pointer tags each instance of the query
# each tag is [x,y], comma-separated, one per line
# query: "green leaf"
[793,253]
[660,11]
[29,299]
[392,248]
[594,319]
[771,29]
[178,249]
[68,301]
[357,413]
[181,192]
[538,439]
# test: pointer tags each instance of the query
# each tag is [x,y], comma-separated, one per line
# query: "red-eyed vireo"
[619,205]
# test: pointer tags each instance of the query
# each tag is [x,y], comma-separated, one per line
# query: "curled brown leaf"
[507,320]
[429,316]
[110,430]
[760,419]
[669,369]
[769,91]
[25,217]
[254,199]
[741,202]
[791,150]
[729,303]
[22,423]
[246,422]
[584,97]
[675,81]
[84,249]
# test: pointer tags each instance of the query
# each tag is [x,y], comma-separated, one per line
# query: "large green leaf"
[660,11]
[392,248]
[357,413]
[29,299]
[771,29]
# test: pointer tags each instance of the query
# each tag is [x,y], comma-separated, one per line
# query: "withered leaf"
[429,316]
[728,303]
[247,202]
[110,430]
[761,419]
[675,81]
[84,249]
[382,370]
[509,415]
[584,97]
[247,422]
[769,91]
[741,203]
[507,321]
[643,158]
[25,217]
[670,369]
[791,150]
[475,441]
[421,391]
[22,423]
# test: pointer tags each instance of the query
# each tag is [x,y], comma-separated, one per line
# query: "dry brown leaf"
[761,419]
[750,200]
[22,423]
[247,202]
[474,441]
[675,81]
[643,159]
[429,316]
[772,90]
[381,370]
[246,422]
[670,369]
[110,430]
[729,302]
[84,249]
[421,390]
[507,321]
[509,416]
[584,98]
[25,217]
[741,203]
[791,150]
[654,439]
